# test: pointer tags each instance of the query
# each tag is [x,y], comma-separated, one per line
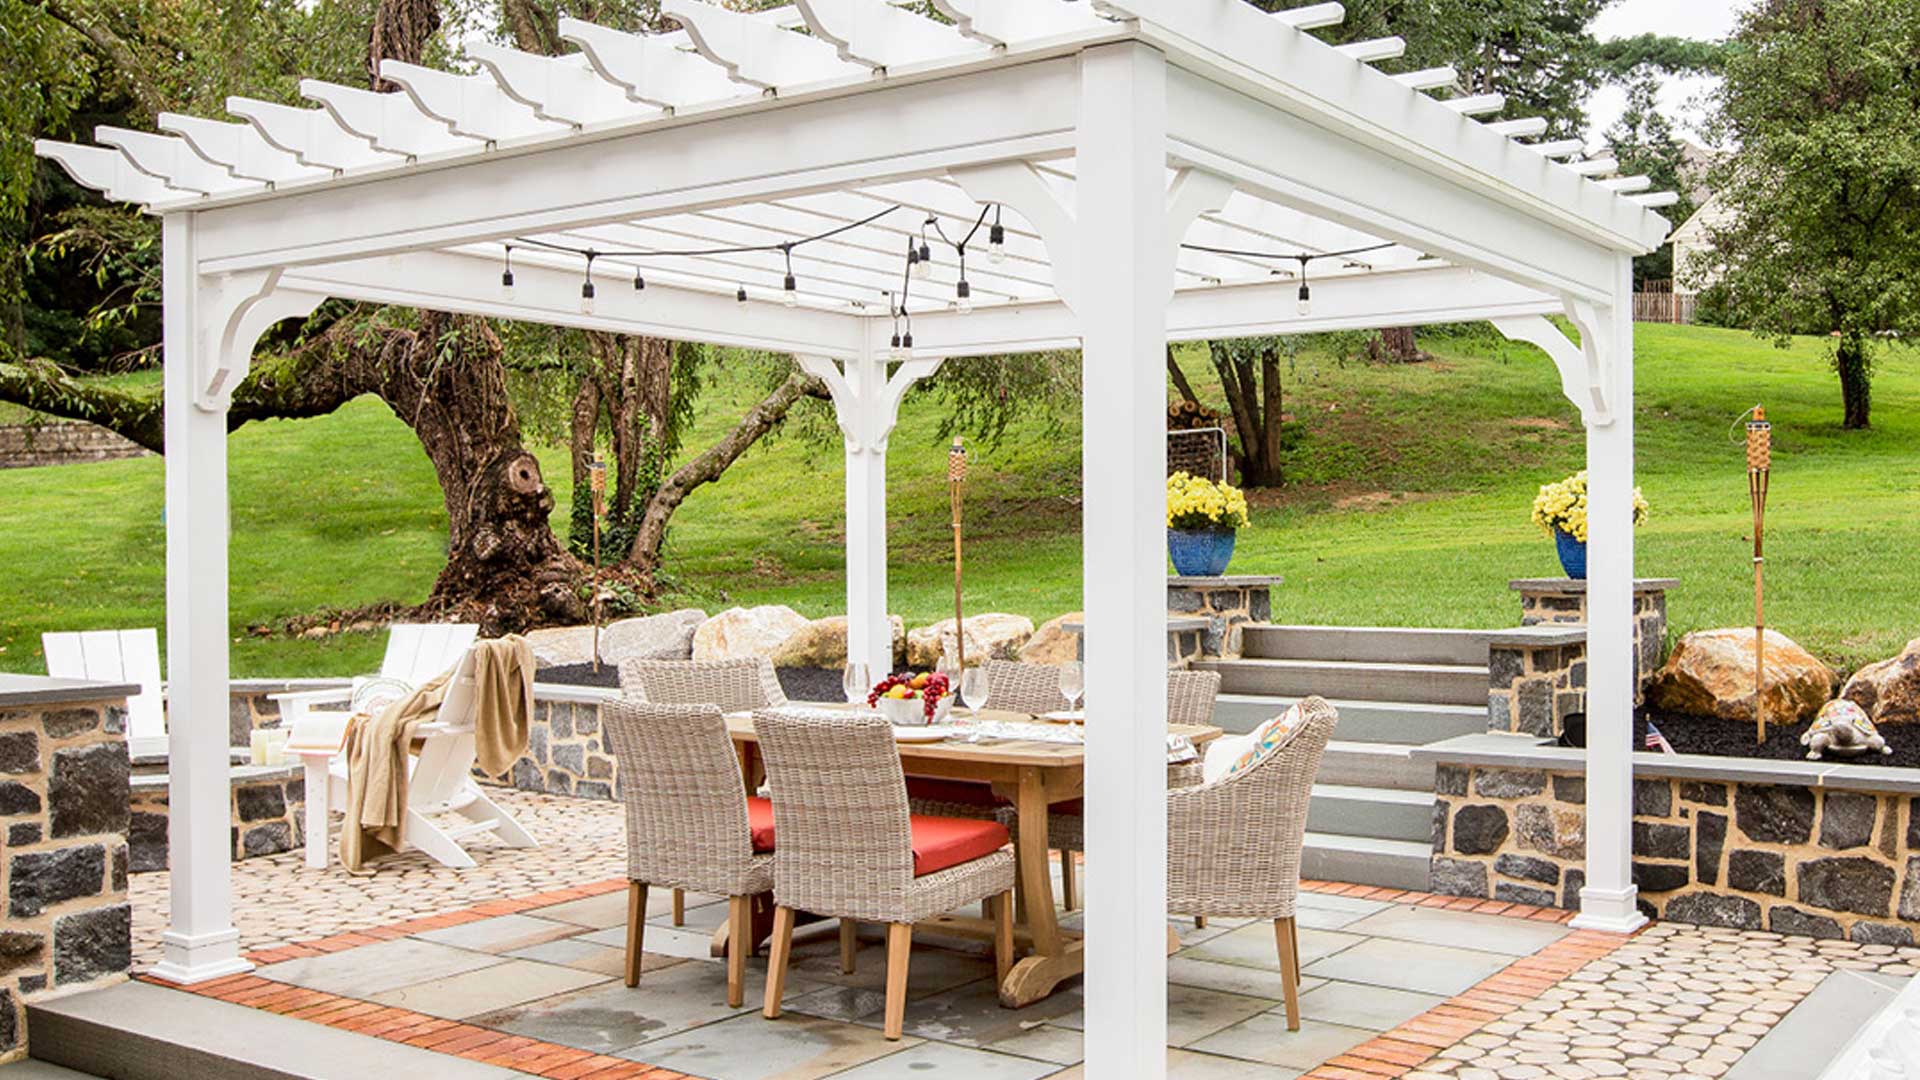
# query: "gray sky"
[1705,19]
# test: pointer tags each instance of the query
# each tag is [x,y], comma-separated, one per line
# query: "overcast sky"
[1705,19]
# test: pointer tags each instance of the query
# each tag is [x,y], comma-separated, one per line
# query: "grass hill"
[1407,504]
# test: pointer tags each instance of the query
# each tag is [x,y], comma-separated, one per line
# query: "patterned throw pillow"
[1272,739]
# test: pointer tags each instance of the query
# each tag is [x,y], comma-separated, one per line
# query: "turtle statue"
[1843,728]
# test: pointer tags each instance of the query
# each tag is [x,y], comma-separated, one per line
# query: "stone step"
[1375,765]
[29,1069]
[1389,644]
[1383,813]
[1354,680]
[1366,860]
[140,1031]
[1361,721]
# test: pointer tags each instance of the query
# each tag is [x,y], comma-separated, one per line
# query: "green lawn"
[1407,504]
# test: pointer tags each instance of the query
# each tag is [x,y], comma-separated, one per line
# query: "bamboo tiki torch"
[956,481]
[1759,467]
[597,482]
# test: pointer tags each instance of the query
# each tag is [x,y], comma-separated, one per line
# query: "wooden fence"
[1659,303]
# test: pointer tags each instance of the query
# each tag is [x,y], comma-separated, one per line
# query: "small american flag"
[1657,741]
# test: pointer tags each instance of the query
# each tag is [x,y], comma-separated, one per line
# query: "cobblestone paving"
[1675,1003]
[277,900]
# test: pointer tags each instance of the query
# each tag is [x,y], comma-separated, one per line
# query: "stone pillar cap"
[1230,581]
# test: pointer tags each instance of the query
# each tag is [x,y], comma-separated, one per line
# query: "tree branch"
[120,56]
[40,385]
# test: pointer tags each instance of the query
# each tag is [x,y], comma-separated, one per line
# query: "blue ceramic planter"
[1573,554]
[1200,552]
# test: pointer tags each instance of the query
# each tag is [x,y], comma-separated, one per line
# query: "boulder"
[822,643]
[1053,643]
[738,632]
[994,634]
[651,637]
[1711,674]
[558,646]
[1890,689]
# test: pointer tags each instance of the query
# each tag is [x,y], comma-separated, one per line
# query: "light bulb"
[790,296]
[997,244]
[906,347]
[586,298]
[639,285]
[922,262]
[1305,306]
[740,296]
[964,297]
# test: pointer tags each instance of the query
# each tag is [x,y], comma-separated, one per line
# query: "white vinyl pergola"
[1164,170]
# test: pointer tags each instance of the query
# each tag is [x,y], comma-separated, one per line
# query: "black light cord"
[668,253]
[1298,256]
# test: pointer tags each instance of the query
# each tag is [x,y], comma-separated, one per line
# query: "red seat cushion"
[942,842]
[965,792]
[760,823]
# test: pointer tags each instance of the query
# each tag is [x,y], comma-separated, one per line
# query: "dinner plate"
[923,733]
[1066,715]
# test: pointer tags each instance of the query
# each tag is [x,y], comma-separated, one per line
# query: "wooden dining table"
[1033,775]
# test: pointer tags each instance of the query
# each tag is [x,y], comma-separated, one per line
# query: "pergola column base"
[200,958]
[1613,911]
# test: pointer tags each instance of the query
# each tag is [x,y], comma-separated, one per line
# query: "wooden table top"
[1031,752]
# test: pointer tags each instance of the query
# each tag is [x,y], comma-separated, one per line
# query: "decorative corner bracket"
[1583,367]
[243,306]
[866,400]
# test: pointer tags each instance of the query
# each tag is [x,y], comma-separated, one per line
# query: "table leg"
[1054,958]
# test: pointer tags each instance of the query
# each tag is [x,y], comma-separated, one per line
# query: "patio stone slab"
[574,953]
[1190,1065]
[1409,965]
[969,1015]
[596,912]
[1188,970]
[1254,945]
[1377,1008]
[942,1060]
[500,934]
[751,1047]
[931,970]
[681,942]
[610,1017]
[1333,902]
[1194,1013]
[1265,1038]
[372,969]
[456,997]
[1047,1042]
[1461,929]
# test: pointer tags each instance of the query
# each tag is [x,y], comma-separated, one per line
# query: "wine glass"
[855,683]
[1073,683]
[974,689]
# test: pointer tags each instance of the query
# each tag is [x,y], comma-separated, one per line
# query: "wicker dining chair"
[1011,686]
[690,824]
[1190,699]
[850,849]
[1233,846]
[736,685]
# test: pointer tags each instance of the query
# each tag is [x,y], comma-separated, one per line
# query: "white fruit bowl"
[912,712]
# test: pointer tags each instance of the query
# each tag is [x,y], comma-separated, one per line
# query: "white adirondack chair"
[120,656]
[416,652]
[442,781]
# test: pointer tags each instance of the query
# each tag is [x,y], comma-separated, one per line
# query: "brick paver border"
[1383,1057]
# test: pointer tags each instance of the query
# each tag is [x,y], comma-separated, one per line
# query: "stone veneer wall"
[566,754]
[1791,858]
[268,812]
[1186,640]
[63,798]
[61,443]
[1537,677]
[1227,603]
[250,703]
[1564,601]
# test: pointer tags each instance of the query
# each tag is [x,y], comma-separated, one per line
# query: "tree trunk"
[1179,377]
[1254,401]
[1395,345]
[1856,382]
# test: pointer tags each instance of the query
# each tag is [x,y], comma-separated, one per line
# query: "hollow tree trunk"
[1395,345]
[1856,382]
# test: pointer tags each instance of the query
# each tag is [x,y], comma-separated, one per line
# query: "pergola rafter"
[1160,169]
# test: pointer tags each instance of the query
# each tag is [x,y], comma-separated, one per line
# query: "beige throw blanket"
[377,747]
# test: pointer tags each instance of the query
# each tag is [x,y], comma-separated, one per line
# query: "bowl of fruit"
[907,700]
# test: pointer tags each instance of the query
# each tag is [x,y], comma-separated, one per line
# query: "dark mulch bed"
[801,684]
[1734,738]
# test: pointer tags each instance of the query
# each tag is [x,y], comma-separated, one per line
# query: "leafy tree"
[1642,140]
[1823,198]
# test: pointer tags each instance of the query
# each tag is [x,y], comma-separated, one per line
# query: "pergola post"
[1607,899]
[200,940]
[1124,274]
[866,403]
